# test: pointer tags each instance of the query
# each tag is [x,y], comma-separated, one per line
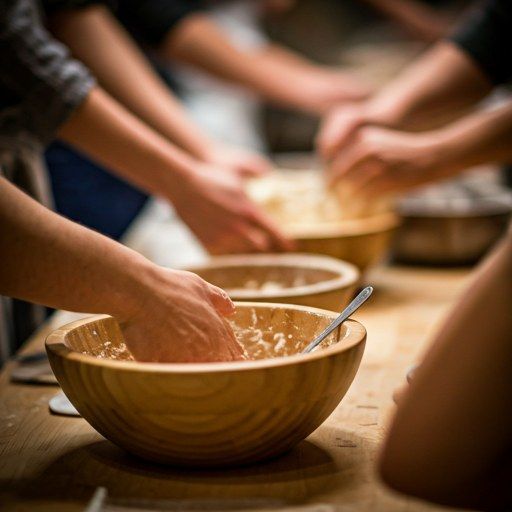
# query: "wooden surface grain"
[52,463]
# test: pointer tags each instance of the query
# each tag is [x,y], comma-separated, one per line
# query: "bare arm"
[49,260]
[419,19]
[214,206]
[96,38]
[451,438]
[382,161]
[444,79]
[441,85]
[276,75]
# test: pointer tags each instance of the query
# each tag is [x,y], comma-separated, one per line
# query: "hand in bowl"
[244,163]
[382,162]
[339,127]
[180,318]
[215,207]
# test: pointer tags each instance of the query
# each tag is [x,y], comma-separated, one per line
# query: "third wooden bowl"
[210,414]
[304,279]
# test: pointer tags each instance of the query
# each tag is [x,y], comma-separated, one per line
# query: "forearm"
[480,138]
[441,85]
[199,42]
[107,132]
[97,39]
[450,439]
[49,260]
[419,19]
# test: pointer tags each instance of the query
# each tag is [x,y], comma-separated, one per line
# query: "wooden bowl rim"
[348,274]
[372,224]
[356,335]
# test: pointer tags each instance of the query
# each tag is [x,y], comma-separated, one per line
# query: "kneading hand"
[243,162]
[180,318]
[339,127]
[215,207]
[380,161]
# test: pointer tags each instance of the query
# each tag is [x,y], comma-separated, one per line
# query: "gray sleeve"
[38,71]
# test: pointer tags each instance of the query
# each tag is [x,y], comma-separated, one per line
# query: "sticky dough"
[297,199]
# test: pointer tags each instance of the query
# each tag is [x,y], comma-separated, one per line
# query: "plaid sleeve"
[38,71]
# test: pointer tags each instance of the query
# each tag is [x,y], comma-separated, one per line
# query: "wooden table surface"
[53,463]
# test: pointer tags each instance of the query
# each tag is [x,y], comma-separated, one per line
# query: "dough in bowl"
[299,200]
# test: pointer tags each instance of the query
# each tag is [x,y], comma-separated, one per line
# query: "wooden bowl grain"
[213,414]
[303,279]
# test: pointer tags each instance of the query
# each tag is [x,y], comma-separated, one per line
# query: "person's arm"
[440,85]
[166,315]
[451,438]
[96,38]
[382,161]
[57,91]
[214,206]
[418,18]
[273,74]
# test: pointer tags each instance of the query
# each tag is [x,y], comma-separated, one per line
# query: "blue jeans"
[90,195]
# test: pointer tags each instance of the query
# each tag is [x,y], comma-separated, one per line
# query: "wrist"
[380,113]
[440,153]
[133,287]
[177,170]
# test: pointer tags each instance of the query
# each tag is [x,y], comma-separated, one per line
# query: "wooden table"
[52,463]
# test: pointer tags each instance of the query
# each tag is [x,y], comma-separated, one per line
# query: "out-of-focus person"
[427,125]
[449,441]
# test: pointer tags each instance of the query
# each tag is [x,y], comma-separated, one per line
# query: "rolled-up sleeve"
[38,71]
[485,34]
[151,20]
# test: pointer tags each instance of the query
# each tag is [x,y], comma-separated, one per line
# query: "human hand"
[339,127]
[215,207]
[316,90]
[243,162]
[180,318]
[381,162]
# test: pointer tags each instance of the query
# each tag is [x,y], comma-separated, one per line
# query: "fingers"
[255,166]
[346,164]
[220,300]
[253,233]
[336,131]
[234,349]
[276,241]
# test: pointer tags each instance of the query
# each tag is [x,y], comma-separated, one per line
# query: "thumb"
[220,300]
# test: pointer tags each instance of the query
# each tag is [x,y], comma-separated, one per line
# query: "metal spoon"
[361,297]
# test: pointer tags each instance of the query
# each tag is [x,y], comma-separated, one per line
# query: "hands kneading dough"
[181,319]
[215,207]
[302,201]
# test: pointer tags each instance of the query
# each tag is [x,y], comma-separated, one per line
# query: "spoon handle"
[361,297]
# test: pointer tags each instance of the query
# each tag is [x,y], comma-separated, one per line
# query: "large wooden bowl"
[304,279]
[212,414]
[321,221]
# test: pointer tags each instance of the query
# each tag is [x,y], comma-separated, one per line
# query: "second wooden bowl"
[212,414]
[304,279]
[363,242]
[321,222]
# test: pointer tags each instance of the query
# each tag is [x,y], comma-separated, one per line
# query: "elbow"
[403,473]
[406,473]
[392,472]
